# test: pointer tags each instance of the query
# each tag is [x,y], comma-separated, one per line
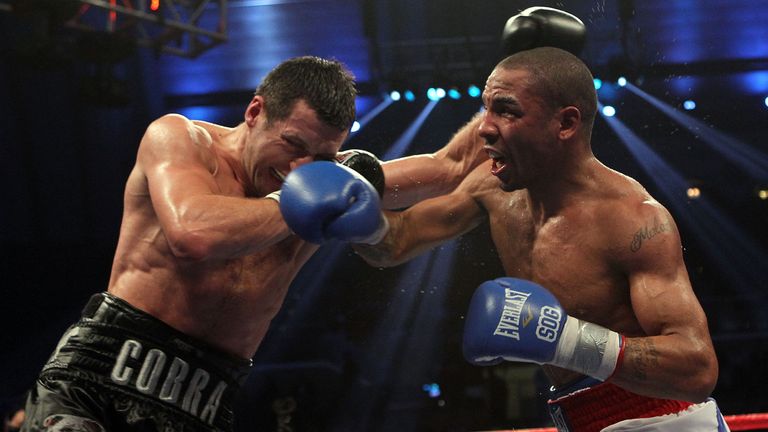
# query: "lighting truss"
[185,28]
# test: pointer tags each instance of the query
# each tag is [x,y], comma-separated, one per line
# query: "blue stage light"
[609,111]
[433,389]
[689,105]
[454,93]
[409,96]
[598,83]
[473,91]
[356,126]
[621,81]
[395,95]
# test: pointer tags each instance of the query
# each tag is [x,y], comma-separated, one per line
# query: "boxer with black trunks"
[130,371]
[618,328]
[204,257]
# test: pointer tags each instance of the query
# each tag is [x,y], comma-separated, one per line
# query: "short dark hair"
[327,86]
[560,78]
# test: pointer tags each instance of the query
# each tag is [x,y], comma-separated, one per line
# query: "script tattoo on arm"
[647,233]
[642,357]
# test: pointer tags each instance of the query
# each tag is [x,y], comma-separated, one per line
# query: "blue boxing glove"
[518,320]
[323,200]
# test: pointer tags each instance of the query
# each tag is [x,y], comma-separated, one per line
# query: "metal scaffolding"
[185,28]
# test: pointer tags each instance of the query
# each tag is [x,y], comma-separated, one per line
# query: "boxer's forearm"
[217,227]
[670,366]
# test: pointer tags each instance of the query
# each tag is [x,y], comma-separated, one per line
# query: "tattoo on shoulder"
[647,232]
[642,357]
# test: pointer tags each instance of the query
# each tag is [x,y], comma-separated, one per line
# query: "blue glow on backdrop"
[751,160]
[752,82]
[374,112]
[400,146]
[262,34]
[684,85]
[213,114]
[404,346]
[687,46]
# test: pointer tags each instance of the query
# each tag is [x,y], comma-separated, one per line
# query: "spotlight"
[409,96]
[689,105]
[766,101]
[356,124]
[433,389]
[598,83]
[474,91]
[454,93]
[621,81]
[693,192]
[762,194]
[435,93]
[609,111]
[395,95]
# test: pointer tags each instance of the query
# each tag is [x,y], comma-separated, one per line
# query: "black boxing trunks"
[120,369]
[590,405]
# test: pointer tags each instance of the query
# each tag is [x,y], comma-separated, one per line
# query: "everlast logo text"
[174,384]
[509,322]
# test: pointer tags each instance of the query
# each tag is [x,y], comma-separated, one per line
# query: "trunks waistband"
[591,405]
[123,348]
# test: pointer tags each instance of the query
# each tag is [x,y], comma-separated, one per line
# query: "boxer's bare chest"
[569,255]
[566,253]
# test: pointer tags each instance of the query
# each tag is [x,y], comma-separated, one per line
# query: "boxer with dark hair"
[203,261]
[596,287]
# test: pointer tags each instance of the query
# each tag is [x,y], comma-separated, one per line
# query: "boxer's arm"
[415,178]
[428,223]
[677,359]
[199,224]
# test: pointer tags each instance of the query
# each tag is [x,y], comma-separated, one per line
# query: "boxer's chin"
[509,187]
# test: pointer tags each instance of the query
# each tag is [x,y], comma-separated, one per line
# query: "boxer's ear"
[570,122]
[254,110]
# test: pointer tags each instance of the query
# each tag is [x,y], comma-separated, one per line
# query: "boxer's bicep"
[178,170]
[674,358]
[662,297]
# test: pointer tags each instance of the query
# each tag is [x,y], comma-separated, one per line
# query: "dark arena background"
[684,96]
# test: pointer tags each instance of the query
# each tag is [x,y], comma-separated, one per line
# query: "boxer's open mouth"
[499,162]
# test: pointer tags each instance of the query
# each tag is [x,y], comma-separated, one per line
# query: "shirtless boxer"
[635,353]
[204,261]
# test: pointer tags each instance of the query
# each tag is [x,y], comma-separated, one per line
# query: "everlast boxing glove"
[518,320]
